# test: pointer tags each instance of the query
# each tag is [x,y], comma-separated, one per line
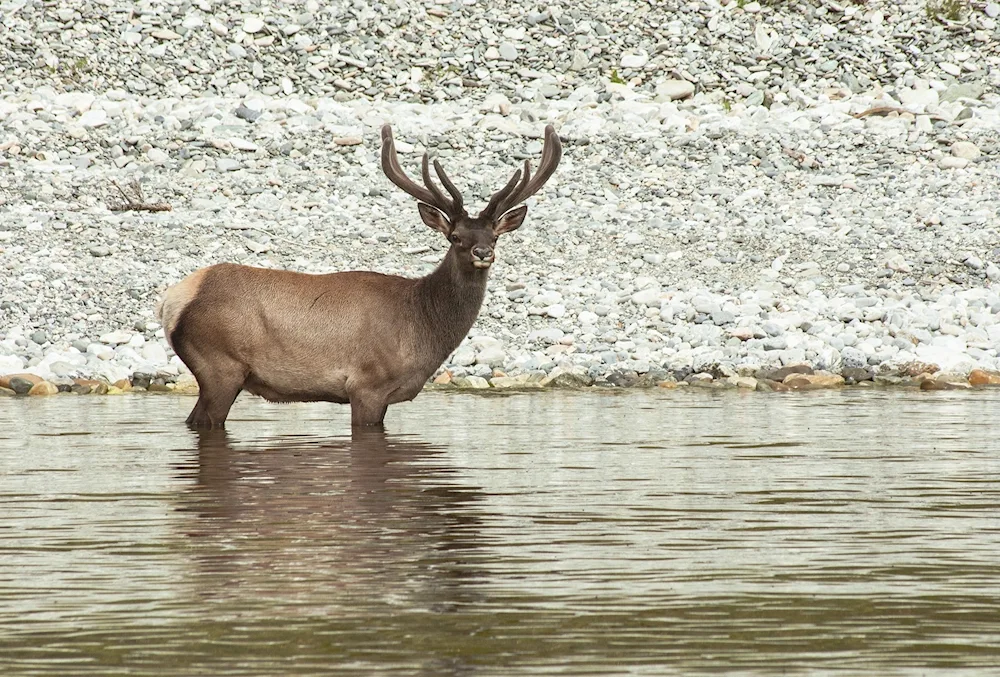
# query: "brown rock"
[7,392]
[78,389]
[829,380]
[91,385]
[711,385]
[566,379]
[857,375]
[43,388]
[780,375]
[917,368]
[30,378]
[817,380]
[889,380]
[770,386]
[745,382]
[620,379]
[649,380]
[22,383]
[158,388]
[186,383]
[668,385]
[981,377]
[825,379]
[942,384]
[443,379]
[504,382]
[123,384]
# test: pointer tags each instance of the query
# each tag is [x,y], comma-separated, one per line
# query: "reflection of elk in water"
[301,528]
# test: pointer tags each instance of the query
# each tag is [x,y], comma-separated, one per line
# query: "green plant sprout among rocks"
[948,10]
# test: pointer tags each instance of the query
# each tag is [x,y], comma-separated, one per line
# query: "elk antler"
[430,195]
[522,186]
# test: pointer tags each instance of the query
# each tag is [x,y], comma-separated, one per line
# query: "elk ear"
[511,220]
[435,218]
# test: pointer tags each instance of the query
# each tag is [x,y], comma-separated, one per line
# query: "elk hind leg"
[218,388]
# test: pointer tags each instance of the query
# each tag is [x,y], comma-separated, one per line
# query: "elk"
[357,337]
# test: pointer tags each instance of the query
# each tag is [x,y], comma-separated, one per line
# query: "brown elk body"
[355,337]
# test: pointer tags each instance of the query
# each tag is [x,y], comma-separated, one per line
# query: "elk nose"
[482,253]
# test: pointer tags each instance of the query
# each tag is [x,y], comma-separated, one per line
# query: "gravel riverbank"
[744,187]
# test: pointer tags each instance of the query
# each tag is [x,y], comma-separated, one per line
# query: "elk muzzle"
[482,257]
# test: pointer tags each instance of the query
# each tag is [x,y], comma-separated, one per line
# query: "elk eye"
[456,239]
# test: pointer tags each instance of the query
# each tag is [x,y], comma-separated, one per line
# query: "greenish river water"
[639,533]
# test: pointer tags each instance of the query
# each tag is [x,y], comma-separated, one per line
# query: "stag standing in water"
[355,337]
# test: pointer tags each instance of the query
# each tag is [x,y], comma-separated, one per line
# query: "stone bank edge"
[797,377]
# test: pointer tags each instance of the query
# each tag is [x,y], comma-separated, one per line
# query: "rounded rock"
[675,90]
[252,24]
[43,388]
[966,150]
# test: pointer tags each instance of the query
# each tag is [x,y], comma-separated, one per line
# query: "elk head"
[472,237]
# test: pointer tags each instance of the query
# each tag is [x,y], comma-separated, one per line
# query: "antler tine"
[440,201]
[392,170]
[512,200]
[551,154]
[449,186]
[500,196]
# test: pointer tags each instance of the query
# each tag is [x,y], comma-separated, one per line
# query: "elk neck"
[451,297]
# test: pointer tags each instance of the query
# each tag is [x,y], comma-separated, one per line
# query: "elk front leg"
[367,410]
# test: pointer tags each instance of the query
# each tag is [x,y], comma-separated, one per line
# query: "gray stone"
[508,52]
[852,358]
[965,149]
[772,328]
[965,90]
[634,60]
[157,156]
[252,24]
[547,335]
[560,378]
[464,356]
[673,90]
[20,385]
[471,382]
[952,162]
[492,356]
[248,114]
[580,60]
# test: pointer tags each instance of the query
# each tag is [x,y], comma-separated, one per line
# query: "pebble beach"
[758,195]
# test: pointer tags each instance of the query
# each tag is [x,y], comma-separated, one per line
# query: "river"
[626,532]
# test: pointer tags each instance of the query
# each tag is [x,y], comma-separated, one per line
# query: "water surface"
[549,533]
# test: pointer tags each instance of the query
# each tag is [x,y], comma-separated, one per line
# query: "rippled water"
[631,533]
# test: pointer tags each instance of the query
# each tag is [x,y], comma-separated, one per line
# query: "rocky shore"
[753,195]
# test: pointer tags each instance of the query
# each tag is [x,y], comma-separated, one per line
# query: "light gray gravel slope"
[742,187]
